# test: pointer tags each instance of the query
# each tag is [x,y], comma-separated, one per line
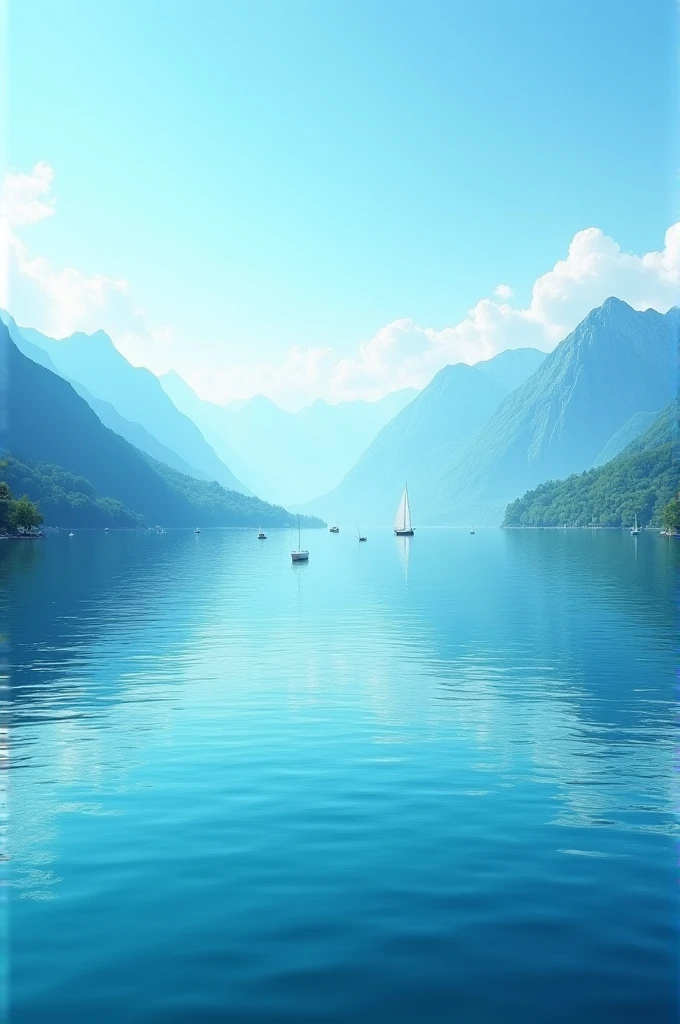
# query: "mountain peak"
[614,305]
[261,402]
[100,337]
[175,379]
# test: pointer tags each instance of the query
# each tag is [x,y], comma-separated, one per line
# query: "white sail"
[403,520]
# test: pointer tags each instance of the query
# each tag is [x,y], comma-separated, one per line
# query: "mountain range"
[290,457]
[435,425]
[127,398]
[475,439]
[640,481]
[618,362]
[57,441]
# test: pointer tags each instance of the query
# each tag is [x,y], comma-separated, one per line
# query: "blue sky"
[268,175]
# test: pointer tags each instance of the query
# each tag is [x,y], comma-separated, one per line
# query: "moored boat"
[402,524]
[300,555]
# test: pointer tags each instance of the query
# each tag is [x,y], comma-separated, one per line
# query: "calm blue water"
[412,781]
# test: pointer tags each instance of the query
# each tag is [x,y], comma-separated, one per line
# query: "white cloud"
[61,301]
[26,198]
[401,354]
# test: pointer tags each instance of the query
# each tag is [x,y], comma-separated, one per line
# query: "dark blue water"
[412,781]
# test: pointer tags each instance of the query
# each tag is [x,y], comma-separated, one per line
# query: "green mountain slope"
[45,421]
[64,499]
[93,363]
[135,433]
[631,429]
[641,480]
[616,363]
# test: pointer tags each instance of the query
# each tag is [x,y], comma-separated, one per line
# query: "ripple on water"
[414,785]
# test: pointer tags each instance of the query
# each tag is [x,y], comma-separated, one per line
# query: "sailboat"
[359,535]
[261,535]
[197,530]
[402,524]
[299,555]
[636,529]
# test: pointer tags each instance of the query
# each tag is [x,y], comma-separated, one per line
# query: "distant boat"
[262,535]
[299,555]
[402,524]
[359,536]
[636,529]
[472,532]
[334,529]
[71,534]
[106,529]
[197,530]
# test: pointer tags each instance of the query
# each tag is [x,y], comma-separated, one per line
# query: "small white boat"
[71,534]
[106,529]
[334,529]
[636,529]
[197,530]
[299,555]
[402,524]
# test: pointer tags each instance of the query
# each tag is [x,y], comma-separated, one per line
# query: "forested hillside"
[64,499]
[640,481]
[47,422]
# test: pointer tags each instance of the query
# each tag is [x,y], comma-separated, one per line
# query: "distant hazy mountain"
[46,421]
[640,481]
[616,363]
[458,400]
[288,456]
[94,365]
[212,420]
[631,429]
[132,432]
[511,368]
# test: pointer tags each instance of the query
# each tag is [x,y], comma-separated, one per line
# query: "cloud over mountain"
[400,354]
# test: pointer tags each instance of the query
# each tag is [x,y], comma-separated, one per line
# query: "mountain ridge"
[284,453]
[639,481]
[46,421]
[92,362]
[615,363]
[458,400]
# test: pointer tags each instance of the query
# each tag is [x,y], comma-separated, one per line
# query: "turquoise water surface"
[415,781]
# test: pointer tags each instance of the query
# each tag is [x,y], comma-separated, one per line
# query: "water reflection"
[509,710]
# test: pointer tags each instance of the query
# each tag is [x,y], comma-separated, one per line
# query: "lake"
[418,781]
